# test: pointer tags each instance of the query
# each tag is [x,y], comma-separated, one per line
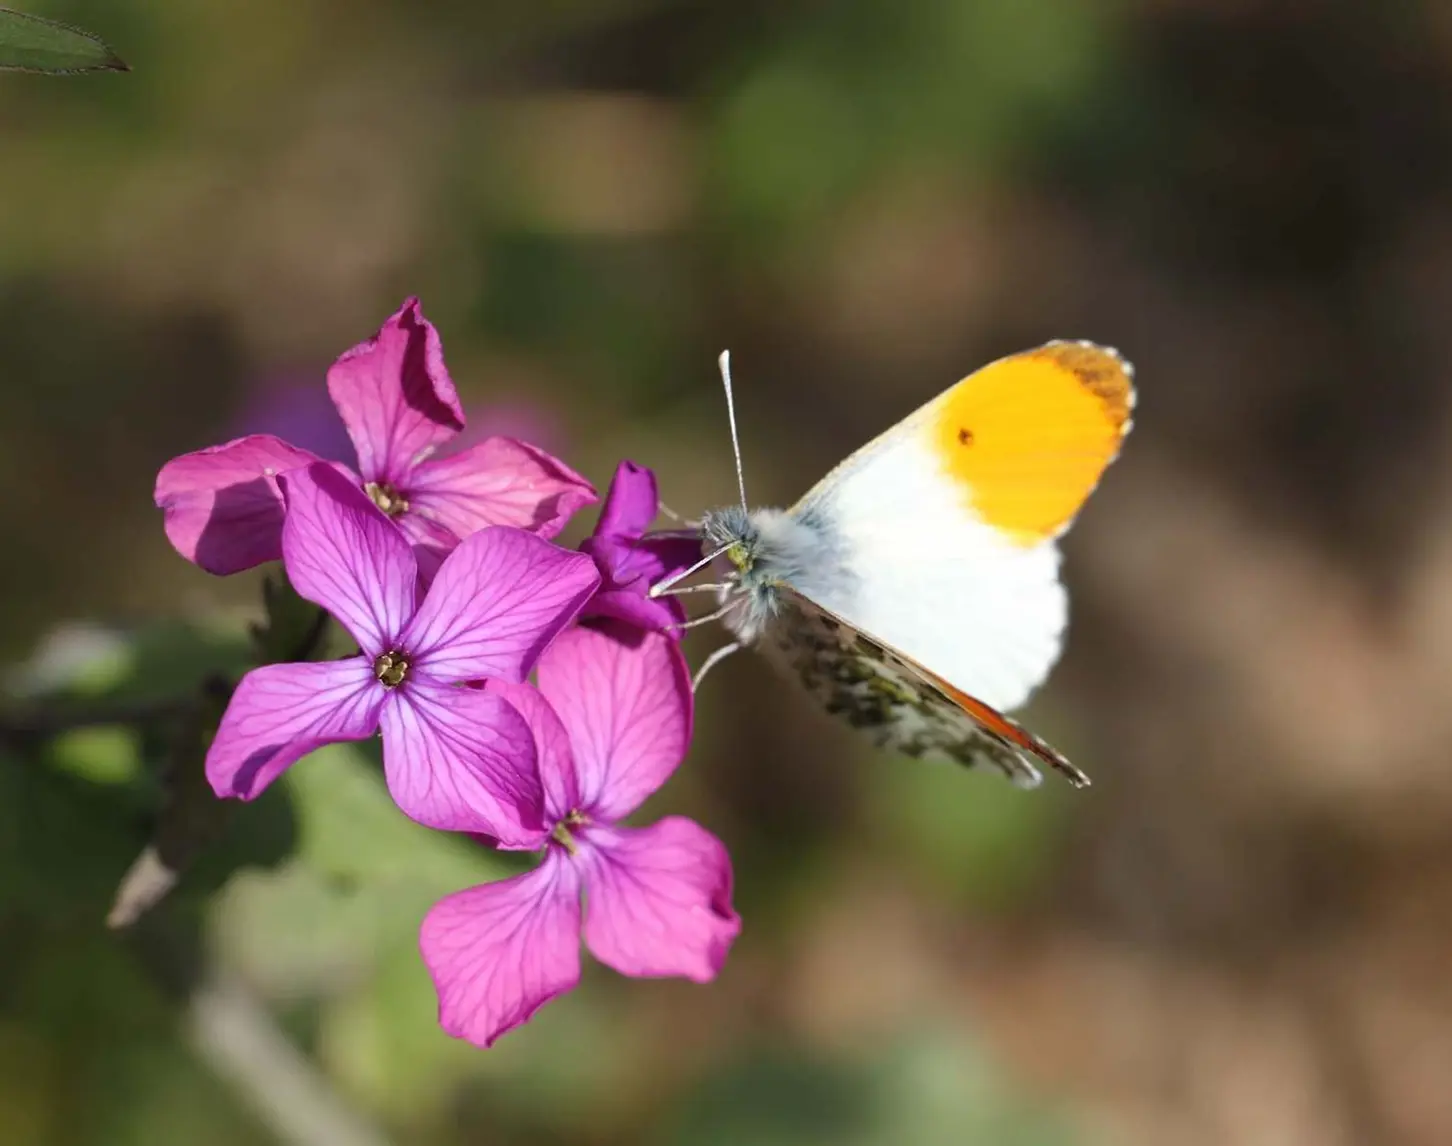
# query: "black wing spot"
[965,436]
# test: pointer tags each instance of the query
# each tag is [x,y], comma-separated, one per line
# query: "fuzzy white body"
[887,544]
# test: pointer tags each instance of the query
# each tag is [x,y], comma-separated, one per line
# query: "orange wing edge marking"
[989,718]
[1009,730]
[1004,728]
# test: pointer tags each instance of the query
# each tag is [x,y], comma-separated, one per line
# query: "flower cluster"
[441,571]
[224,505]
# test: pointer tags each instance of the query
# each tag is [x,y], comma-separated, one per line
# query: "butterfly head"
[733,532]
[752,577]
[769,551]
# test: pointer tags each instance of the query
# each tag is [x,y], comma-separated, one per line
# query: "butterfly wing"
[903,705]
[944,527]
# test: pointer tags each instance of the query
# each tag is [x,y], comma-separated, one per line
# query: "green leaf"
[970,836]
[295,629]
[31,44]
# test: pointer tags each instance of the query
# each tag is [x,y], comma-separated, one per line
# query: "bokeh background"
[1241,934]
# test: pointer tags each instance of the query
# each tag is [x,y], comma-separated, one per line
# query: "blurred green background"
[1240,934]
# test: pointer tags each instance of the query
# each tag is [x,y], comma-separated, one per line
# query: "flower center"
[562,834]
[390,668]
[386,498]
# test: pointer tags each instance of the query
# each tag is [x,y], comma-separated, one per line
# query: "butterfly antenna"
[725,363]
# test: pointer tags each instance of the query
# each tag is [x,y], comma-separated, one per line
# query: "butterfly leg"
[712,661]
[690,527]
[734,603]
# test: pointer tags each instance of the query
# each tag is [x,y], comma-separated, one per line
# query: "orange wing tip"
[1026,439]
[1101,370]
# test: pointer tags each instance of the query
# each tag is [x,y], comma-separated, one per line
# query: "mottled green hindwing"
[900,704]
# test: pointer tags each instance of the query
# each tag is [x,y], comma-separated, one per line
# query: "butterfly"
[914,590]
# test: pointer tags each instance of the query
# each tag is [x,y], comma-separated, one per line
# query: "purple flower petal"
[659,899]
[280,713]
[663,614]
[630,564]
[431,544]
[463,760]
[222,506]
[631,502]
[396,397]
[628,568]
[639,562]
[342,553]
[552,747]
[624,696]
[498,482]
[496,603]
[657,555]
[499,952]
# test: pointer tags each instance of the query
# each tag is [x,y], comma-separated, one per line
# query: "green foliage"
[932,1089]
[138,716]
[969,834]
[601,300]
[32,44]
[107,754]
[293,629]
[90,1046]
[871,88]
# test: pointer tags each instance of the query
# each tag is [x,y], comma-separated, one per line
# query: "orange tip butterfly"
[915,589]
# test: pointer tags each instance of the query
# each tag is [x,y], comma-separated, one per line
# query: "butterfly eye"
[739,556]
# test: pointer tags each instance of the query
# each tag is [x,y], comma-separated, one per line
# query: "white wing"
[928,578]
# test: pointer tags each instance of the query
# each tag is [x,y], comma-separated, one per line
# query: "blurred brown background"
[1241,934]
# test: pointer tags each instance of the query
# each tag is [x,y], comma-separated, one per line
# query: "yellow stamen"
[386,498]
[391,668]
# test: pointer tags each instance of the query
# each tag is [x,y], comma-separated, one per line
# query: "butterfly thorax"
[766,550]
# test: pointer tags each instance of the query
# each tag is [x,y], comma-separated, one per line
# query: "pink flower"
[455,758]
[611,721]
[631,562]
[223,508]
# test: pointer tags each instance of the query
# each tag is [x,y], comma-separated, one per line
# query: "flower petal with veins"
[552,747]
[280,713]
[396,397]
[499,952]
[463,760]
[343,554]
[624,695]
[659,899]
[498,482]
[222,508]
[496,603]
